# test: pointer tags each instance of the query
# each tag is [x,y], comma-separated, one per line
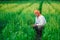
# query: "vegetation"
[16,20]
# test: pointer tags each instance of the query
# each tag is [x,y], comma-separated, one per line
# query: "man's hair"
[37,11]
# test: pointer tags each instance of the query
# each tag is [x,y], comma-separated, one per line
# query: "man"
[39,23]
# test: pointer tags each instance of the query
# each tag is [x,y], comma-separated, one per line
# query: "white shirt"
[40,21]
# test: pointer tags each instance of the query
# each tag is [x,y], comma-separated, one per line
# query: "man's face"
[36,12]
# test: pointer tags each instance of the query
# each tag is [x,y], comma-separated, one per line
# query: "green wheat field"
[16,20]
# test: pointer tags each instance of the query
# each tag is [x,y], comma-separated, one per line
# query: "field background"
[16,19]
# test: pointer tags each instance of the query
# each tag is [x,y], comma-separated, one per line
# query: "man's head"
[37,12]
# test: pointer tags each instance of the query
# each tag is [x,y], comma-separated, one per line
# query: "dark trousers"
[38,32]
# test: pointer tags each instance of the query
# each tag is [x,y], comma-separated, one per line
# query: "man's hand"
[34,25]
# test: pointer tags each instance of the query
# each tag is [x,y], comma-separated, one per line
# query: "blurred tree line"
[41,2]
[29,0]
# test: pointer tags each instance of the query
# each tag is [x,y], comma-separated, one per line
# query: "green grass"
[16,20]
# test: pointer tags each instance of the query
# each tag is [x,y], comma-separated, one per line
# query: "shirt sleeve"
[42,21]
